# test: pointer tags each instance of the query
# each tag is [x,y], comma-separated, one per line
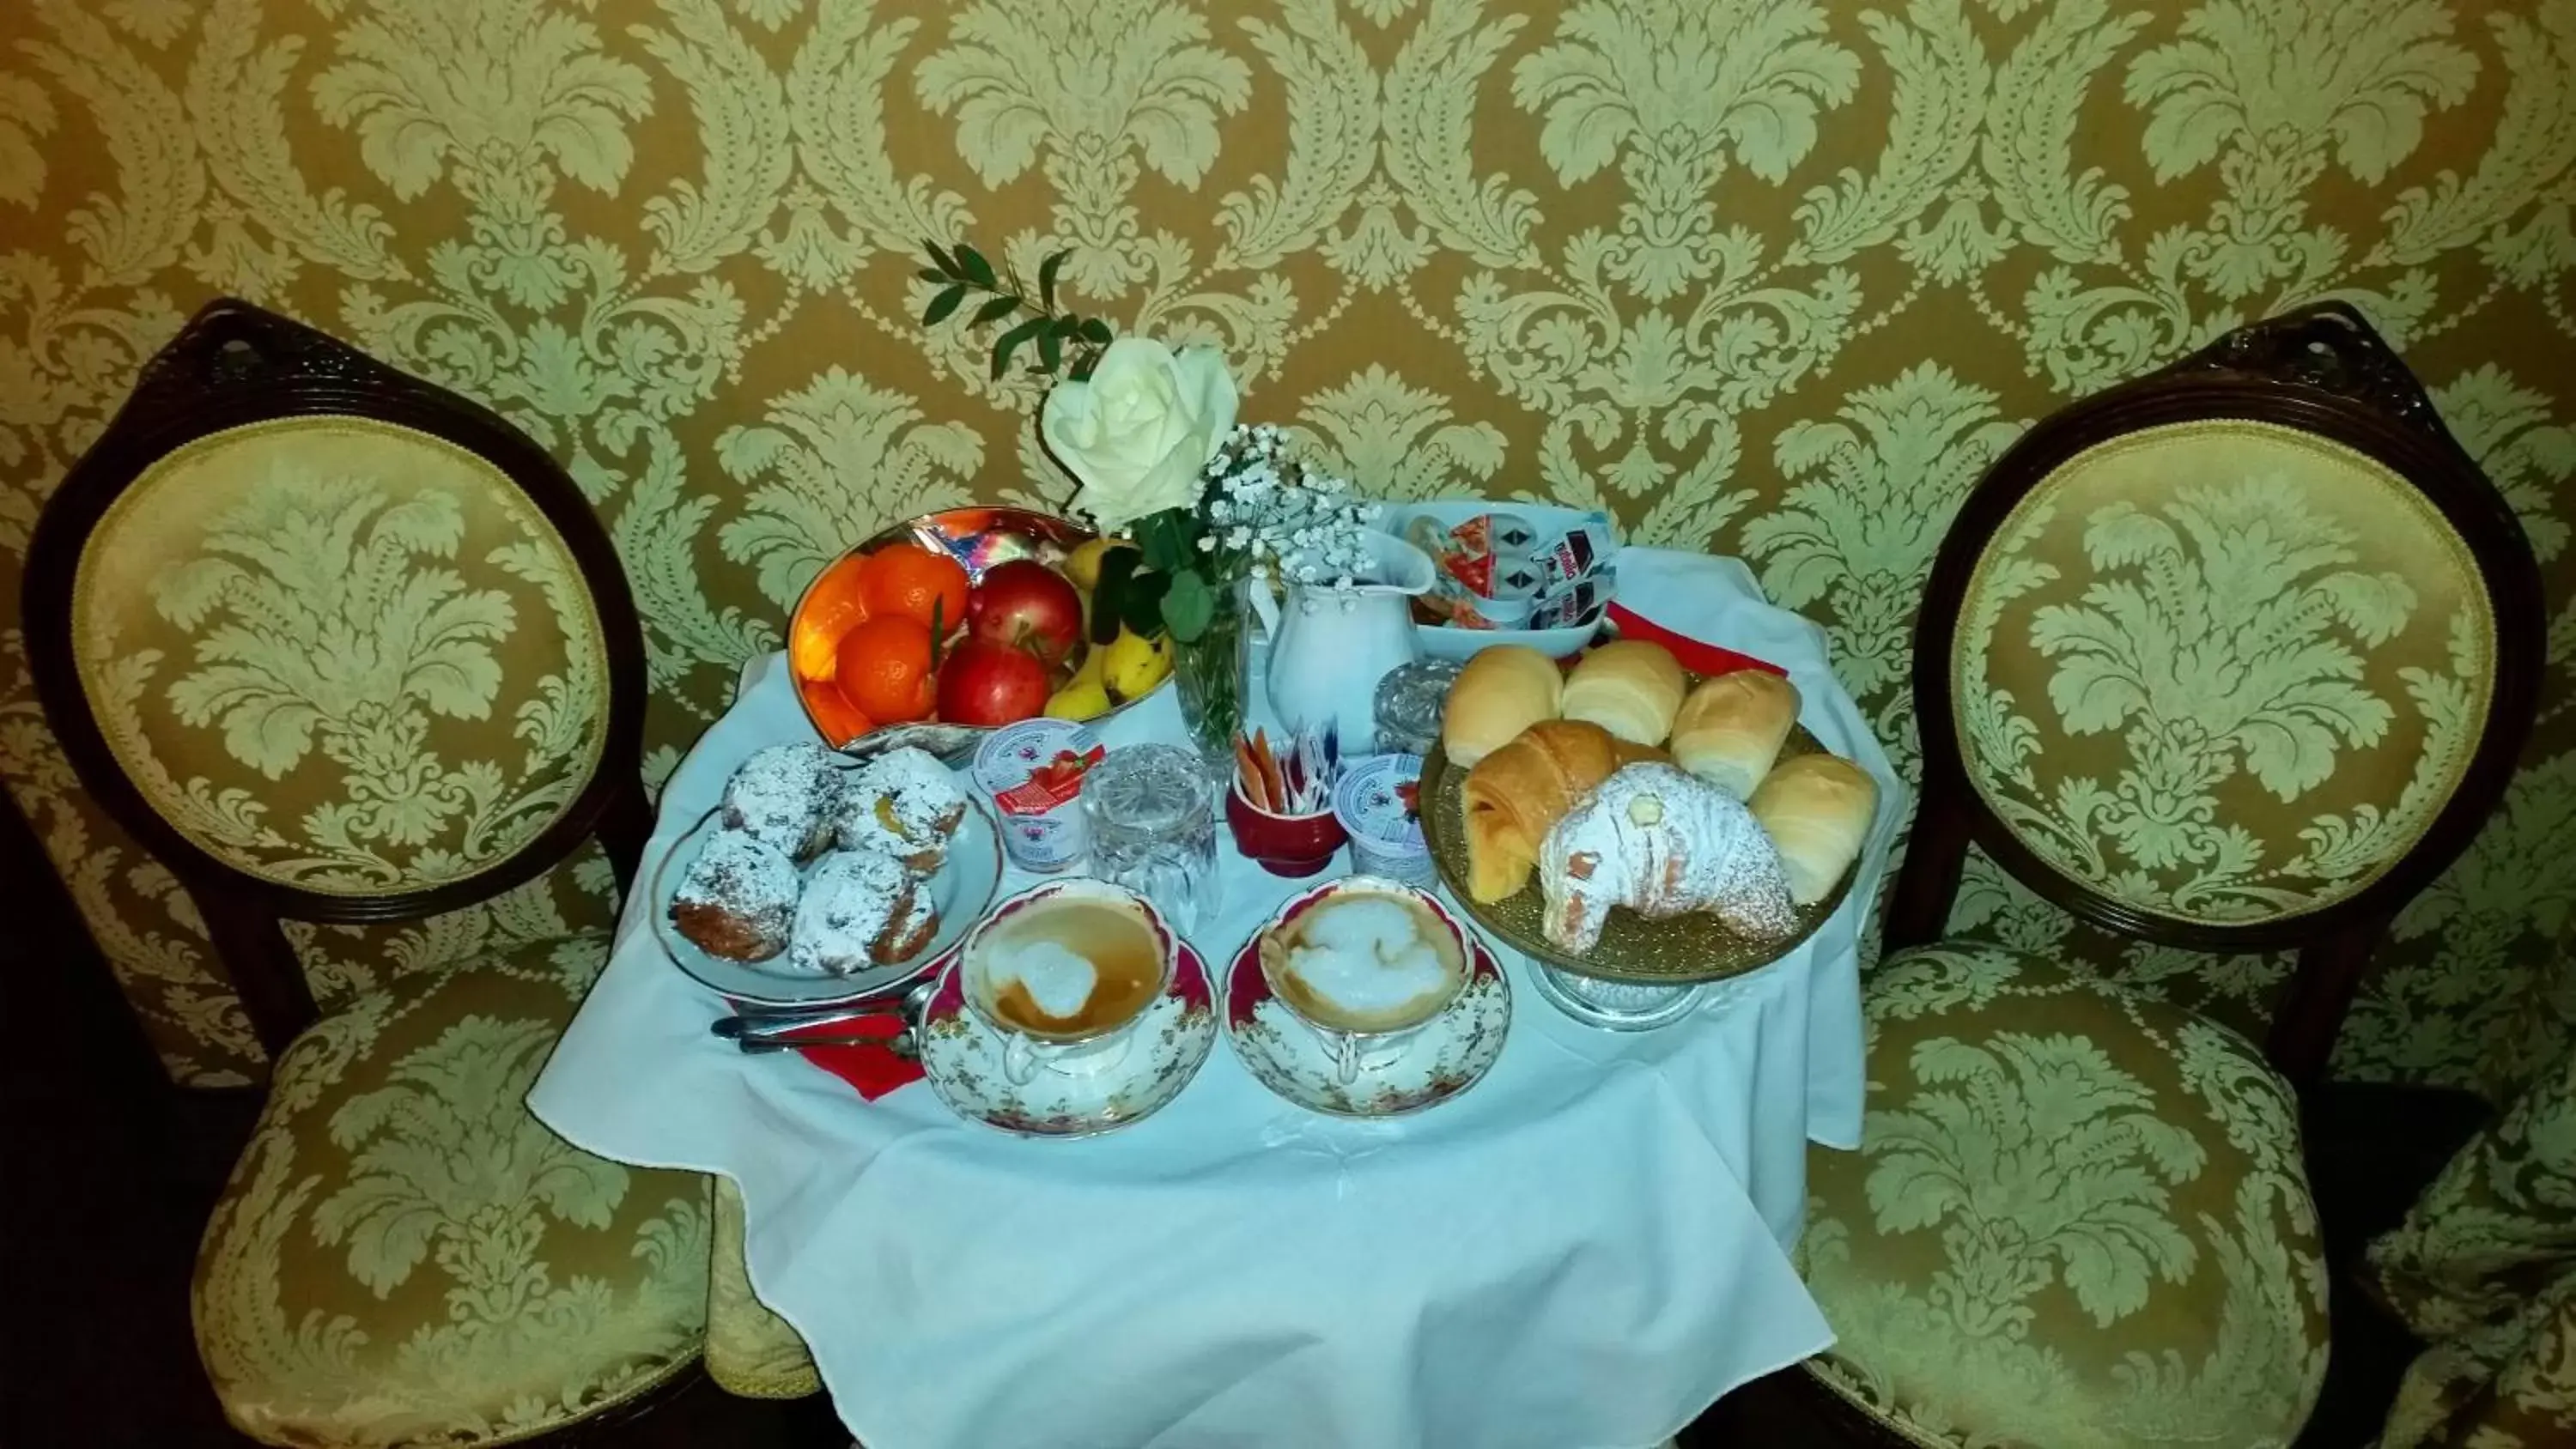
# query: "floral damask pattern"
[751,1351]
[2484,1271]
[2236,646]
[2077,1217]
[1769,277]
[405,1256]
[299,657]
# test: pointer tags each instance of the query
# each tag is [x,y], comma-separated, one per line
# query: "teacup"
[1344,962]
[1064,973]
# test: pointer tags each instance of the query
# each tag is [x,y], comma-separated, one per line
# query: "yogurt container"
[1034,772]
[1374,801]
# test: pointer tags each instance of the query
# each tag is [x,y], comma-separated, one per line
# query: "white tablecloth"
[1586,1249]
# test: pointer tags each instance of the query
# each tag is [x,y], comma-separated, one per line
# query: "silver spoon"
[901,1043]
[751,1025]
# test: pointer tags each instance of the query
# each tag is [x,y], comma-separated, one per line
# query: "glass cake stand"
[1614,1005]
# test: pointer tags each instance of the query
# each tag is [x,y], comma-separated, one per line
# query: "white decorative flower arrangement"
[1151,437]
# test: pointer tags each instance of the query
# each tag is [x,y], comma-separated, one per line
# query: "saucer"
[1450,1055]
[962,1057]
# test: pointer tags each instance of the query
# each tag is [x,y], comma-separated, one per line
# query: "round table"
[1587,1248]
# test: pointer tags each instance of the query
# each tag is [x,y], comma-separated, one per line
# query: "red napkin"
[1700,658]
[874,1071]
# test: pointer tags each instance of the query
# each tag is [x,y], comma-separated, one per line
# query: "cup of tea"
[1063,973]
[1366,965]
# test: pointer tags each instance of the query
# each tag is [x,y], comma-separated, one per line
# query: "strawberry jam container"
[1034,771]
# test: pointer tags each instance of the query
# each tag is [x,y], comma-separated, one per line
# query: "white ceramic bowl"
[1443,641]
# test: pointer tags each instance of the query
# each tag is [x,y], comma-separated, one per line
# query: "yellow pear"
[1079,699]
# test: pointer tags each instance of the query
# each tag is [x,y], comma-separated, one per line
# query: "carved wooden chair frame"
[235,364]
[2324,371]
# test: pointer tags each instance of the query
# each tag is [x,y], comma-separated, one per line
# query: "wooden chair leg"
[267,975]
[2310,1016]
[1918,913]
[624,828]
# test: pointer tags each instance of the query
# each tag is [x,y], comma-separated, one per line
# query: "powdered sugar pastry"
[1661,841]
[784,796]
[860,909]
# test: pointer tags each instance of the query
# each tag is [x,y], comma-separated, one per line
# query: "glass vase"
[1210,672]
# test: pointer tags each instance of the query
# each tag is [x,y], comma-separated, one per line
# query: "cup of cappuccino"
[1365,965]
[1063,973]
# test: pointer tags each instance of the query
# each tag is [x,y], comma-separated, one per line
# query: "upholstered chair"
[2483,1270]
[339,646]
[2233,658]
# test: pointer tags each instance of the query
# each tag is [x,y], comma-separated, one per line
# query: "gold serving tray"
[1676,951]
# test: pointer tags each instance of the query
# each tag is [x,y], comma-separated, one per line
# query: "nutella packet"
[1575,603]
[1575,553]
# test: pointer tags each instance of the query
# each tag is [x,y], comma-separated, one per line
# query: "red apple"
[984,683]
[1026,605]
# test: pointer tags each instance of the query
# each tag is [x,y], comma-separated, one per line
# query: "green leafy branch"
[964,271]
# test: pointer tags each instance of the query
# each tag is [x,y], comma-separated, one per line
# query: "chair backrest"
[333,643]
[2235,657]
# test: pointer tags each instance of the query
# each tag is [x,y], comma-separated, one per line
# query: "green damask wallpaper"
[1768,277]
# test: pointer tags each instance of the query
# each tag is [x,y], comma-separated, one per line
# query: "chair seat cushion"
[2077,1218]
[405,1256]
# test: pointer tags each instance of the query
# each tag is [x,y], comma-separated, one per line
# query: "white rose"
[1138,432]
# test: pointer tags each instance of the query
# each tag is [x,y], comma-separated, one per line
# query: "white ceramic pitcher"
[1330,646]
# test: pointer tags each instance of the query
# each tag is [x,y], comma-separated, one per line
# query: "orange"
[839,721]
[884,669]
[832,605]
[908,580]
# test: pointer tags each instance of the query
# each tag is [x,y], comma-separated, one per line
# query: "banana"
[1083,564]
[1135,664]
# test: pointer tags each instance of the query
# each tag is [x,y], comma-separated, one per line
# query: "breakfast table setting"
[1551,1226]
[1239,963]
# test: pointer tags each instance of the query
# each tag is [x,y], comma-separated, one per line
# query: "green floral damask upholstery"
[404,1256]
[2222,671]
[2484,1270]
[2076,1219]
[341,655]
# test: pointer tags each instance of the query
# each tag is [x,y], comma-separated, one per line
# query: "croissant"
[1661,841]
[1514,794]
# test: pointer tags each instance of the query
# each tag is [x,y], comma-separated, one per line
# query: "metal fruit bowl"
[980,538]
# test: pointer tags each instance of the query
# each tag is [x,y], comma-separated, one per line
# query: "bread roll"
[1514,794]
[1502,691]
[1731,728]
[1629,687]
[1818,809]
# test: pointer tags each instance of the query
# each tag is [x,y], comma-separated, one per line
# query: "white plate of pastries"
[1628,821]
[817,881]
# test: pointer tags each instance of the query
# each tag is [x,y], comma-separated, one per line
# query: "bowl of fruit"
[941,629]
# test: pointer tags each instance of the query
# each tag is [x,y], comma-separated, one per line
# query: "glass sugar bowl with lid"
[1408,704]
